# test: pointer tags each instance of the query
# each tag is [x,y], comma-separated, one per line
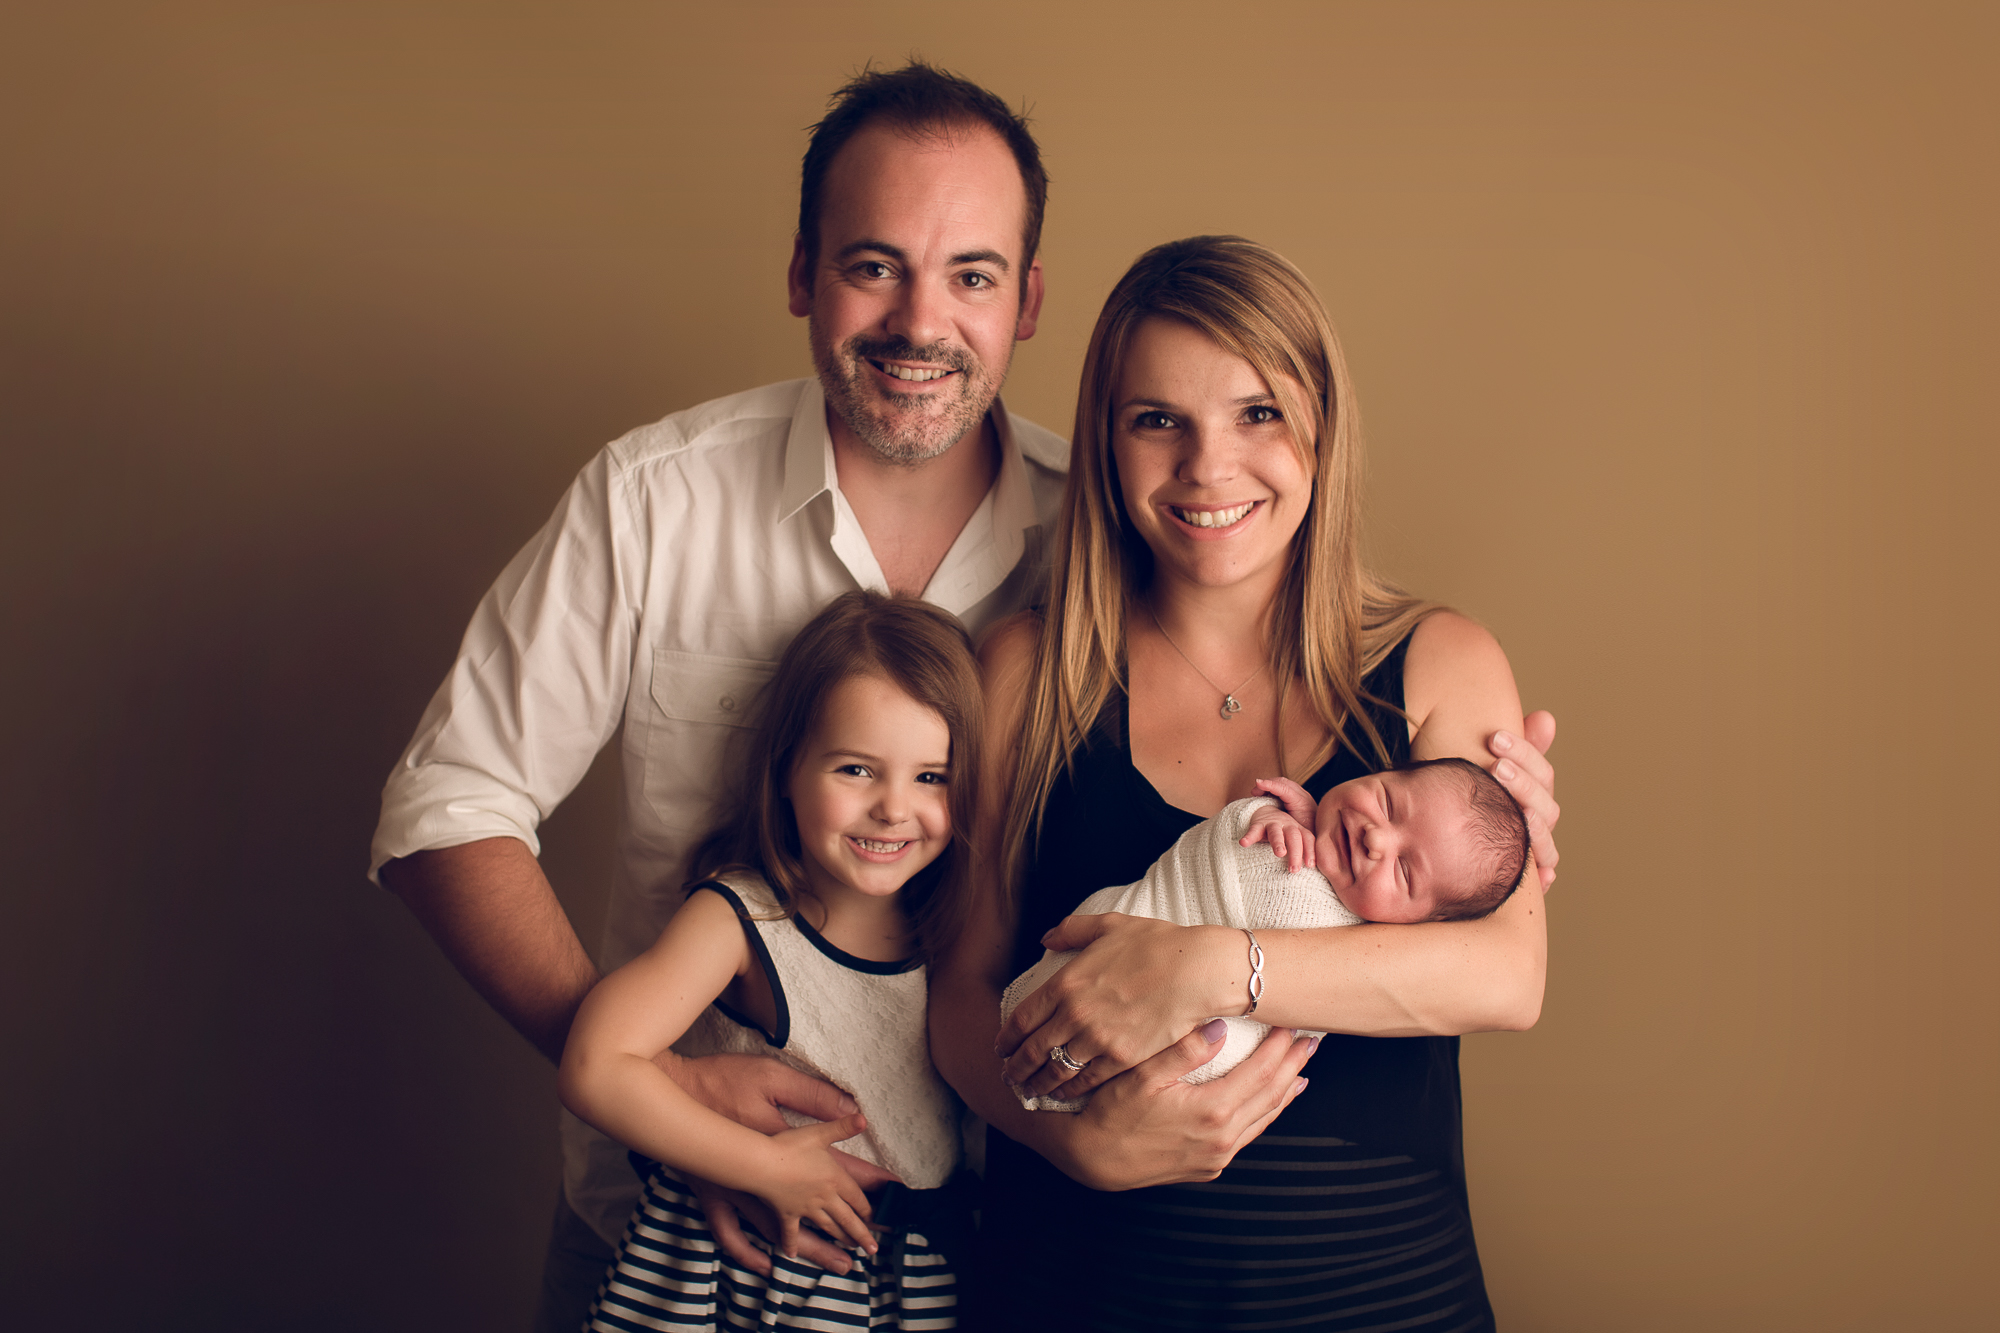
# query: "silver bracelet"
[1256,972]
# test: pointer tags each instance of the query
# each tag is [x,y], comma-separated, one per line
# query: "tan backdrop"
[1674,327]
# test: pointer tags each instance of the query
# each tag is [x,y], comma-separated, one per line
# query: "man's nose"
[920,316]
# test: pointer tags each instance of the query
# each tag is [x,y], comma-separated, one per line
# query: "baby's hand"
[1289,839]
[807,1182]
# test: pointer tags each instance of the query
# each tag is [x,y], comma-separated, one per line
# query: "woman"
[1209,623]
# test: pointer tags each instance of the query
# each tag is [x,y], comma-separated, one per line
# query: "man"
[688,553]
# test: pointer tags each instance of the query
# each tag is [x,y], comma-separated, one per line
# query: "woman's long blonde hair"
[1332,621]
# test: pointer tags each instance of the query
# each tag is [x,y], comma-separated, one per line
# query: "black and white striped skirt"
[670,1274]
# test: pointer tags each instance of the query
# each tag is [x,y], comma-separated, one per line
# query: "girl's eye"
[937,779]
[852,770]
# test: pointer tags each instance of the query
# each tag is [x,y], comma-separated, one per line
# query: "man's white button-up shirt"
[654,605]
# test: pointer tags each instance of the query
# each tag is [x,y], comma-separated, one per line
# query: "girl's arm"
[1147,1128]
[609,1078]
[1139,983]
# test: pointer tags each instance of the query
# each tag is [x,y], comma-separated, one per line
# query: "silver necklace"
[1230,706]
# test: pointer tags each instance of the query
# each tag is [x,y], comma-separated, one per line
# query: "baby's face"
[1396,845]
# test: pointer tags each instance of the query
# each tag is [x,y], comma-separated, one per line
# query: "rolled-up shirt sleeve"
[537,690]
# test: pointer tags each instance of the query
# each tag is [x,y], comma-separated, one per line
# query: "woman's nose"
[1206,459]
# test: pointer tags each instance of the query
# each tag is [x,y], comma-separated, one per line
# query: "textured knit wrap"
[1206,879]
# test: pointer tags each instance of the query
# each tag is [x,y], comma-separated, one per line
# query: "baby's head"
[1439,840]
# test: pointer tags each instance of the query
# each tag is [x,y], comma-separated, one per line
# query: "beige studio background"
[1674,332]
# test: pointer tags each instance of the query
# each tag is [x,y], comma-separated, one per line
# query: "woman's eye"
[1259,416]
[1152,421]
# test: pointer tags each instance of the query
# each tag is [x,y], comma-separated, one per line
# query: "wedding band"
[1062,1057]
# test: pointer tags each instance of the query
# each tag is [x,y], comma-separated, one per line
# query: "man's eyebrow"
[993,257]
[867,245]
[870,246]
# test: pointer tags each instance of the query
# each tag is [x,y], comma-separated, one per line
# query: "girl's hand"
[805,1181]
[1138,987]
[1523,768]
[1289,840]
[1149,1128]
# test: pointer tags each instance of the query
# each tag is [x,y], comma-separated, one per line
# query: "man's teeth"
[907,373]
[1214,518]
[871,845]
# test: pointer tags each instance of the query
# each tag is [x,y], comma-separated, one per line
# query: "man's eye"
[977,280]
[871,268]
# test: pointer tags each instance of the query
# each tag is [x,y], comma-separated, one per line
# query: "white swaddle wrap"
[1205,879]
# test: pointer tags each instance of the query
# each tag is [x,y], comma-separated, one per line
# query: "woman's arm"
[1139,983]
[1147,1128]
[610,1079]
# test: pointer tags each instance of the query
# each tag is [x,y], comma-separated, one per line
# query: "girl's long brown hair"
[1332,621]
[922,651]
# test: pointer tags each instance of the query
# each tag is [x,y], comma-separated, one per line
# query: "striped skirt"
[670,1274]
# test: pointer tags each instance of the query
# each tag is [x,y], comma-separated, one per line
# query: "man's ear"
[1031,303]
[798,280]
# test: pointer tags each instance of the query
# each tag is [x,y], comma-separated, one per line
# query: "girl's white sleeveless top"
[855,1023]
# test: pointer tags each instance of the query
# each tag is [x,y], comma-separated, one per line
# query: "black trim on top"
[895,967]
[763,956]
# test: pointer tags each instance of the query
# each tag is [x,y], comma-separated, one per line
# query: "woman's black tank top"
[1348,1212]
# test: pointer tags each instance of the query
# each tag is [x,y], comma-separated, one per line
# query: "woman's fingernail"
[1212,1031]
[1299,1085]
[1503,770]
[848,1106]
[1315,1048]
[1502,741]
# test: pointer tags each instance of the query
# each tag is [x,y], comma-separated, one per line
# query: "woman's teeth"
[871,845]
[1213,518]
[910,373]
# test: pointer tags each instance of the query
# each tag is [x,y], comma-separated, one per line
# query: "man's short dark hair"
[917,99]
[1500,833]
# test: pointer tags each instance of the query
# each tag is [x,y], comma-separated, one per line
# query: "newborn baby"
[1439,840]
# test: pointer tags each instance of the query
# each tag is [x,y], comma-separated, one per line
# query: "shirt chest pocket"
[697,743]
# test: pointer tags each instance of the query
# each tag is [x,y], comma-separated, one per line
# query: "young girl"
[803,936]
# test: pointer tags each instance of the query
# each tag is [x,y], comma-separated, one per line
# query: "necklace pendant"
[1229,705]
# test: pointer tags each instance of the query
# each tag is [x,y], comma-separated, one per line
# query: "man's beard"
[903,429]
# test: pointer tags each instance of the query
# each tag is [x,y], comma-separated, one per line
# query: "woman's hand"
[805,1181]
[1138,987]
[1149,1128]
[1526,773]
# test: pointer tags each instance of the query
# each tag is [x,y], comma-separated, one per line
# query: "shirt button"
[728,703]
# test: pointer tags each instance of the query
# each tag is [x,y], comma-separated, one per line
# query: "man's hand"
[749,1089]
[1526,773]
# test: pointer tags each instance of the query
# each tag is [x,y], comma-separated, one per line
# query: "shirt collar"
[809,473]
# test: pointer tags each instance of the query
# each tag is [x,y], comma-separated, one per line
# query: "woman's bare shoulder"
[1009,646]
[1456,680]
